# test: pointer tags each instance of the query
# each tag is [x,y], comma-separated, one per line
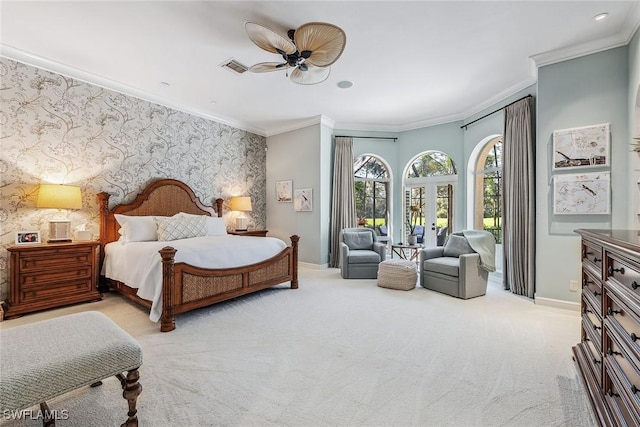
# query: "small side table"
[258,233]
[409,252]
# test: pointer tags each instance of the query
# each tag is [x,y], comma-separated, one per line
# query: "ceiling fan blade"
[267,39]
[325,42]
[310,77]
[265,67]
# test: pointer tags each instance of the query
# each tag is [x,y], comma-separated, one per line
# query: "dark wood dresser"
[51,275]
[608,355]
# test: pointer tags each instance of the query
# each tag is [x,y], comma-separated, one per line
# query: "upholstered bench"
[46,359]
[397,274]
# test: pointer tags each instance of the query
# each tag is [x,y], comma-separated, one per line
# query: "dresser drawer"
[625,364]
[624,321]
[624,272]
[622,409]
[59,259]
[592,291]
[592,256]
[592,326]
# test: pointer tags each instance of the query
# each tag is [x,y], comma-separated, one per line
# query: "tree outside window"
[371,190]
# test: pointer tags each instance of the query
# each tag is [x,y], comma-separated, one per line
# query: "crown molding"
[301,124]
[18,55]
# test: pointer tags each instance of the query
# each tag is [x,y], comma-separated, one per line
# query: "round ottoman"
[397,274]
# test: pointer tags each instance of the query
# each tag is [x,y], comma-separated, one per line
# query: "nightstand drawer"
[54,277]
[61,259]
[51,293]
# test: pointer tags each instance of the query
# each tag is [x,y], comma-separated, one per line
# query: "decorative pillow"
[456,246]
[215,225]
[358,240]
[181,227]
[136,228]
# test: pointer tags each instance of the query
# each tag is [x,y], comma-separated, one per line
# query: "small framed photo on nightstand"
[27,237]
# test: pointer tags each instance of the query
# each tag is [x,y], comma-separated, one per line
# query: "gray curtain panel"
[518,243]
[343,210]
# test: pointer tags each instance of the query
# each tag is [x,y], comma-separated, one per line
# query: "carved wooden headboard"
[165,197]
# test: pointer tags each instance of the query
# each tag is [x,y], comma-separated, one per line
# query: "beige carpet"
[345,353]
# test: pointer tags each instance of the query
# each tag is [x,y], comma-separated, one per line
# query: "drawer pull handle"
[635,285]
[611,393]
[586,282]
[615,270]
[586,310]
[611,311]
[611,353]
[596,293]
[597,327]
[596,361]
[596,259]
[634,389]
[634,337]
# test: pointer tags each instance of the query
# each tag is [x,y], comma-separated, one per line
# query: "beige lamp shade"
[242,204]
[57,196]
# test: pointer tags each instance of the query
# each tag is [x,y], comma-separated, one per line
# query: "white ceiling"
[413,63]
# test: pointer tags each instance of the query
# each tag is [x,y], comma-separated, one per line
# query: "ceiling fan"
[309,50]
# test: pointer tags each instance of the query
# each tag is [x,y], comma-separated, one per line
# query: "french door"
[434,198]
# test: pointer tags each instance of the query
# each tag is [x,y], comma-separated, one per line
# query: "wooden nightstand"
[259,233]
[51,275]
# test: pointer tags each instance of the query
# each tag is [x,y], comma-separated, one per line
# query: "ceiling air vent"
[234,65]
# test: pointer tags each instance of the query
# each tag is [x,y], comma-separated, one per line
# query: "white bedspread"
[139,265]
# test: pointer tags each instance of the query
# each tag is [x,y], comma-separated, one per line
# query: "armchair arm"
[344,254]
[428,253]
[381,249]
[472,278]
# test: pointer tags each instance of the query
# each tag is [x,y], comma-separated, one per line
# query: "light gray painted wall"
[324,195]
[589,90]
[297,156]
[634,127]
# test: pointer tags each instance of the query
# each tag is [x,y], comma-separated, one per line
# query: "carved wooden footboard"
[186,287]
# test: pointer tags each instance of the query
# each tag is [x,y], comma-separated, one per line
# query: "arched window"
[429,190]
[371,178]
[488,189]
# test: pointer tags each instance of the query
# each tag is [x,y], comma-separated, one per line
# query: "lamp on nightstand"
[241,204]
[57,196]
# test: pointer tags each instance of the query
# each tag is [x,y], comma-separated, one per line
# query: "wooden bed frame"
[186,287]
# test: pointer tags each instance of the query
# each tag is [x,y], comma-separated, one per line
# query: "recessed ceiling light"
[213,102]
[600,16]
[345,84]
[165,84]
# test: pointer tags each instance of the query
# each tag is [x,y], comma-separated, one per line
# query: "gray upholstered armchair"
[456,269]
[360,253]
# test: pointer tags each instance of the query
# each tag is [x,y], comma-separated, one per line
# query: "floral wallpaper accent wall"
[55,129]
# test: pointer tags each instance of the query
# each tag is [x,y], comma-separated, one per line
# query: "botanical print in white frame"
[586,146]
[284,191]
[303,200]
[582,194]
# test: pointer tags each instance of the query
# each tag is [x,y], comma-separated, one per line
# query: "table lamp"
[241,204]
[57,196]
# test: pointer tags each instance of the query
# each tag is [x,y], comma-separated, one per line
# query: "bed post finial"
[219,203]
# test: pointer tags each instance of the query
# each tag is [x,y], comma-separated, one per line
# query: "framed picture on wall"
[303,201]
[580,147]
[582,194]
[284,191]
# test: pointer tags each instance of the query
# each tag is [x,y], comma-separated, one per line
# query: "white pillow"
[137,228]
[181,227]
[215,225]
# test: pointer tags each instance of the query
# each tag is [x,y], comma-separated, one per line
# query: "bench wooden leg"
[132,390]
[47,421]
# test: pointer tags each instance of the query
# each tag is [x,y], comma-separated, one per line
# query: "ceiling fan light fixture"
[312,48]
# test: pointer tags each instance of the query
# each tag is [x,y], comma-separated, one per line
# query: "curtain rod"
[499,109]
[368,137]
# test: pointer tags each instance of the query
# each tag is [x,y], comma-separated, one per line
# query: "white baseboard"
[313,266]
[550,302]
